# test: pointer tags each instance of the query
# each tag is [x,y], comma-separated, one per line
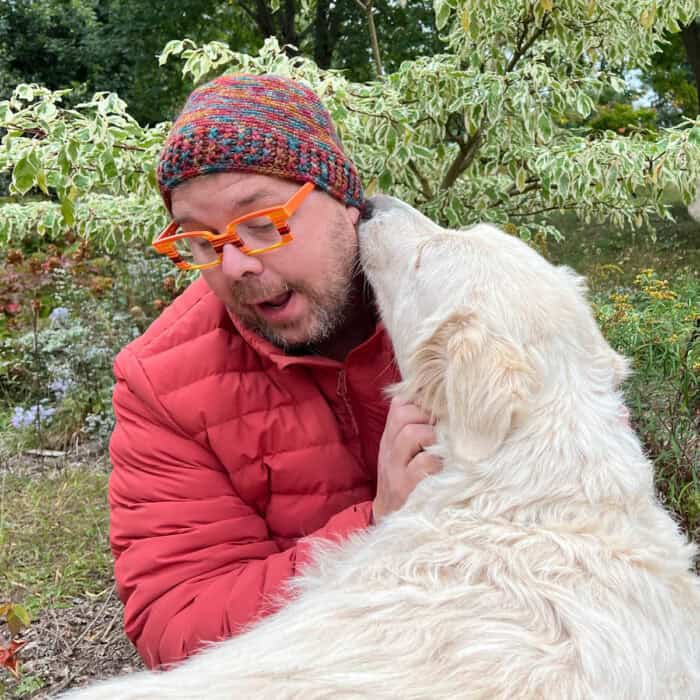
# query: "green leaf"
[390,140]
[25,92]
[109,167]
[72,150]
[24,174]
[47,111]
[544,126]
[68,211]
[42,182]
[584,105]
[172,47]
[386,181]
[442,14]
[82,182]
[423,152]
[17,618]
[564,184]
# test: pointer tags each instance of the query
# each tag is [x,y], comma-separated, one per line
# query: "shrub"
[56,373]
[656,322]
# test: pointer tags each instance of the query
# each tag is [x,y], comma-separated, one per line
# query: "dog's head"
[482,325]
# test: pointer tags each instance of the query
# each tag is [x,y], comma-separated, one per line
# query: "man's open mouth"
[276,302]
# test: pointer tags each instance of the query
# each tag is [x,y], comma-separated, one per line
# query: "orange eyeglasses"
[254,233]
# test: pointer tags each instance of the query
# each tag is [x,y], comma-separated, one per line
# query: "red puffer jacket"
[229,458]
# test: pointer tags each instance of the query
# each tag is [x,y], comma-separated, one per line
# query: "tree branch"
[366,7]
[467,151]
[530,187]
[424,183]
[523,48]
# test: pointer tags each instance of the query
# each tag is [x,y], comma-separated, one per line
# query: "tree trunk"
[289,30]
[326,27]
[264,20]
[691,41]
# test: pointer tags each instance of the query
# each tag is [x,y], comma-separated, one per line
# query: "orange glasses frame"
[165,241]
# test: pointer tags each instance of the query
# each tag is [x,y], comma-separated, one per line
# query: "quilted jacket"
[229,457]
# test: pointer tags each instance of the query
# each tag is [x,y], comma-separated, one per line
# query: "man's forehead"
[232,191]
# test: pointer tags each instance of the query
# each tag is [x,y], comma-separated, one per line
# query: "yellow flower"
[661,294]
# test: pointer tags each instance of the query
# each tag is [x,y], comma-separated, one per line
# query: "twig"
[46,453]
[57,636]
[66,681]
[105,634]
[93,621]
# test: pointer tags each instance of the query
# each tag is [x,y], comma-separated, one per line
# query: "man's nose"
[235,265]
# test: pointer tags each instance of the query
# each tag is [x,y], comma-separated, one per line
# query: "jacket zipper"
[343,393]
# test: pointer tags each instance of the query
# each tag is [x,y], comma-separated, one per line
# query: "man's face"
[296,296]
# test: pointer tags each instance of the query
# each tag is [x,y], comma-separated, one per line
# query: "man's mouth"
[276,302]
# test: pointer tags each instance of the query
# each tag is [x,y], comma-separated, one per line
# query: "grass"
[53,537]
[614,256]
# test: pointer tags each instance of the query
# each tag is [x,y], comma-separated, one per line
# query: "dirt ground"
[70,647]
[77,643]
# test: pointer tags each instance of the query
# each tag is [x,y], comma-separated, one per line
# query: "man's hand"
[402,463]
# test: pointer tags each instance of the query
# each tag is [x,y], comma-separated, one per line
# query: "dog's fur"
[538,564]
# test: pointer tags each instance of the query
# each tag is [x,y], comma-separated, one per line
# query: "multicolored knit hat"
[260,124]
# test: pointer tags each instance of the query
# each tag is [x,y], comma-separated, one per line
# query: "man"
[251,419]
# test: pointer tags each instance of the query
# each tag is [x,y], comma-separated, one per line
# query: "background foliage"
[571,123]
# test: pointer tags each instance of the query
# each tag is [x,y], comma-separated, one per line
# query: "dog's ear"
[474,379]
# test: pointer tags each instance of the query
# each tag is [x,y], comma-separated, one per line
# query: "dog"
[537,565]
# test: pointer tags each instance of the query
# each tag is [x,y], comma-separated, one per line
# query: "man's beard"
[330,304]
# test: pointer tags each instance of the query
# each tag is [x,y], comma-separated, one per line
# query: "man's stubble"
[331,301]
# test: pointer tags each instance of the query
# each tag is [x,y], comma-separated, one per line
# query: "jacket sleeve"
[194,563]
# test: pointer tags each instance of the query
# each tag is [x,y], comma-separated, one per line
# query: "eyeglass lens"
[256,233]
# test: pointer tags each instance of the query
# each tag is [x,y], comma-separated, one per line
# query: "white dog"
[538,564]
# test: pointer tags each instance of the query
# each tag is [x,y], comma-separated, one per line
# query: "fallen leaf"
[9,659]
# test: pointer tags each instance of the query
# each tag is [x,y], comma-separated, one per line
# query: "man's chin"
[290,337]
[301,338]
[292,341]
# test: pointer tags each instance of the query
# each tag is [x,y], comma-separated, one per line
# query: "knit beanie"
[259,124]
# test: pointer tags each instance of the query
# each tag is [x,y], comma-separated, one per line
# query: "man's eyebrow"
[184,219]
[252,197]
[235,203]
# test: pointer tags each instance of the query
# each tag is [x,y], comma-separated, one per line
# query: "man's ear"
[353,214]
[473,380]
